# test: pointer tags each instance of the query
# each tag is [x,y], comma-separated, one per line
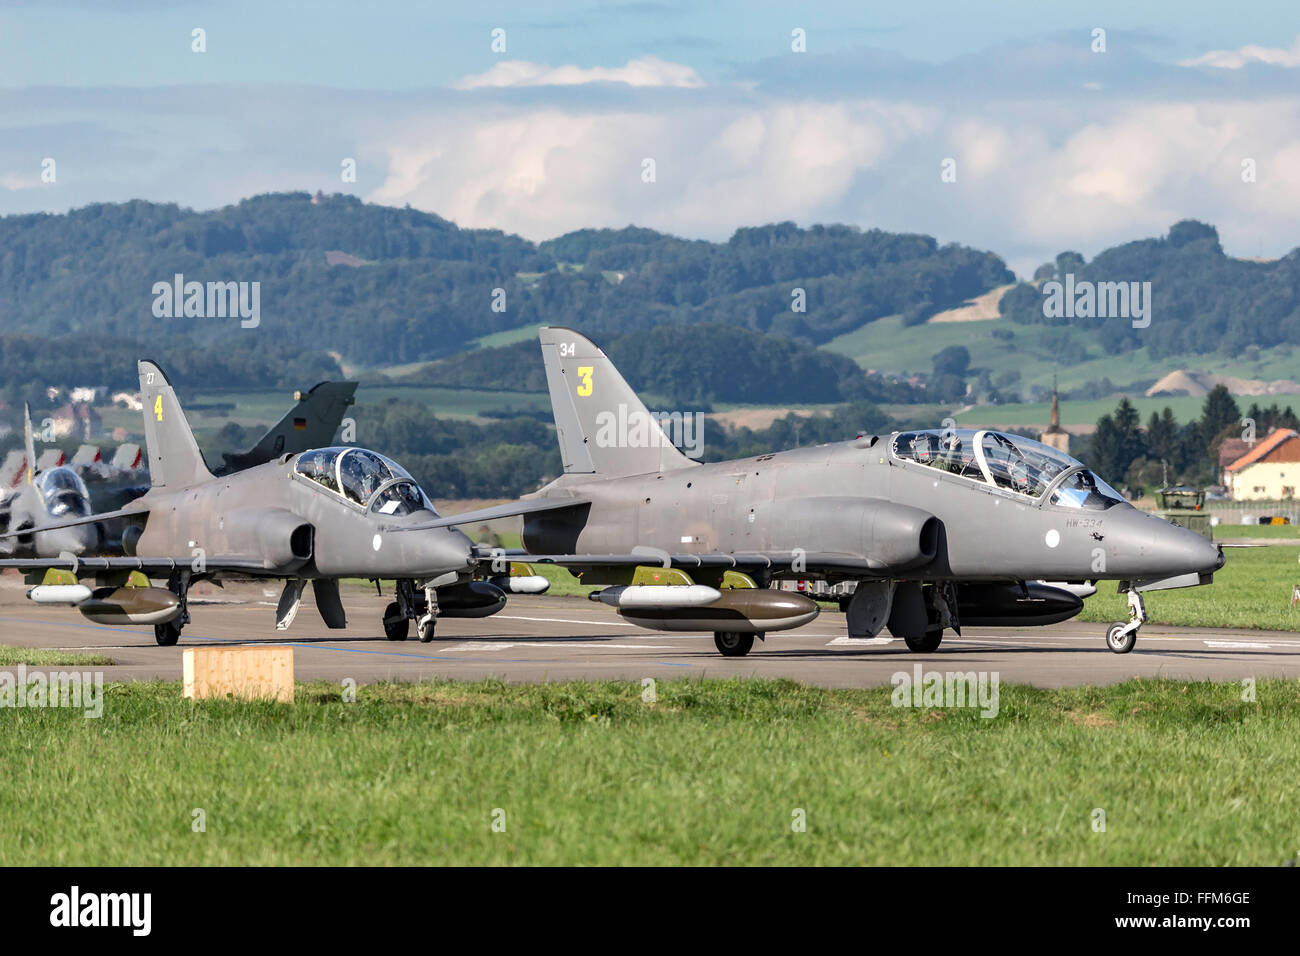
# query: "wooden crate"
[249,672]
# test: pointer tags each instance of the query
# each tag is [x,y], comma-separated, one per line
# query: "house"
[1268,472]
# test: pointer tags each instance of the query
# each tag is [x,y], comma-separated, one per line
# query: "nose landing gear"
[411,606]
[1120,636]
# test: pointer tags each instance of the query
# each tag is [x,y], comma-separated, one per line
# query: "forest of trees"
[28,363]
[1202,300]
[424,288]
[689,367]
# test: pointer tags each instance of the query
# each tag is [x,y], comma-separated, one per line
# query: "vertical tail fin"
[29,441]
[309,424]
[603,428]
[174,457]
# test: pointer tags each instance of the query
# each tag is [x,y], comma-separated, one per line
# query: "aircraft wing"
[74,522]
[758,561]
[149,565]
[507,510]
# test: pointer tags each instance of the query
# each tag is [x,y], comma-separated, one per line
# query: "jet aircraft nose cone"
[447,549]
[1180,551]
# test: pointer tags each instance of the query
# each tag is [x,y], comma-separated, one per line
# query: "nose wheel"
[412,605]
[1121,636]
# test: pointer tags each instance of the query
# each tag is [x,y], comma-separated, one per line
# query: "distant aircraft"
[317,516]
[938,528]
[44,494]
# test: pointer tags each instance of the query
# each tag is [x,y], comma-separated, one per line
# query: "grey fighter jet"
[316,516]
[937,528]
[310,423]
[34,515]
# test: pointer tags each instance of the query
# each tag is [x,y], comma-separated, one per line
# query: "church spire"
[1056,408]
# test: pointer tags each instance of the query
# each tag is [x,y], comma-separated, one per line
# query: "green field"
[713,772]
[1256,531]
[887,346]
[38,657]
[509,337]
[1253,590]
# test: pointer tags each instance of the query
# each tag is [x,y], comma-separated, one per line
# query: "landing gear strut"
[424,625]
[410,606]
[168,634]
[1121,637]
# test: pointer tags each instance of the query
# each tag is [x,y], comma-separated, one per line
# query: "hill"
[381,286]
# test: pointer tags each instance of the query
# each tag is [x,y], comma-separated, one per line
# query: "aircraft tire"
[424,629]
[167,634]
[733,643]
[1115,643]
[927,644]
[396,627]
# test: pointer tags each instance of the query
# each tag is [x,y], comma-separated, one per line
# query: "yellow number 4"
[584,386]
[157,408]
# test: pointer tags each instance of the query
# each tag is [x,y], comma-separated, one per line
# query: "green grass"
[712,773]
[508,337]
[37,657]
[1253,590]
[888,346]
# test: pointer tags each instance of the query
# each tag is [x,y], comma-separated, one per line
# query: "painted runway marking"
[845,641]
[562,620]
[503,645]
[1258,645]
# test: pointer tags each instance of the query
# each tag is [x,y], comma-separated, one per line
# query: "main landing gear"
[1120,636]
[168,634]
[734,643]
[411,605]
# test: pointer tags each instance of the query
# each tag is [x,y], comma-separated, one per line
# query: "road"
[551,638]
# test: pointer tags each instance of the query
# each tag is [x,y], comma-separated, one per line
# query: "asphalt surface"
[552,638]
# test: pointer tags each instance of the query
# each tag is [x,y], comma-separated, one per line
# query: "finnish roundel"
[1053,538]
[376,541]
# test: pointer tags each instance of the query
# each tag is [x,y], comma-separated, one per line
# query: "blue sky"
[1055,145]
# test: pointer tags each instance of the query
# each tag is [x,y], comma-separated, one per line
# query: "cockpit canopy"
[1010,462]
[64,493]
[365,478]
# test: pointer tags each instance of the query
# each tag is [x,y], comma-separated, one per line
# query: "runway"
[553,638]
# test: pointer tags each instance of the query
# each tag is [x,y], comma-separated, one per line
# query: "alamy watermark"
[75,690]
[208,300]
[946,689]
[1086,299]
[636,428]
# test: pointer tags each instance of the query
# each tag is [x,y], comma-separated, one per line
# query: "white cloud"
[543,173]
[1236,59]
[642,71]
[12,182]
[1037,172]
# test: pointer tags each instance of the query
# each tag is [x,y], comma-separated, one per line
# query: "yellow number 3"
[157,408]
[584,386]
